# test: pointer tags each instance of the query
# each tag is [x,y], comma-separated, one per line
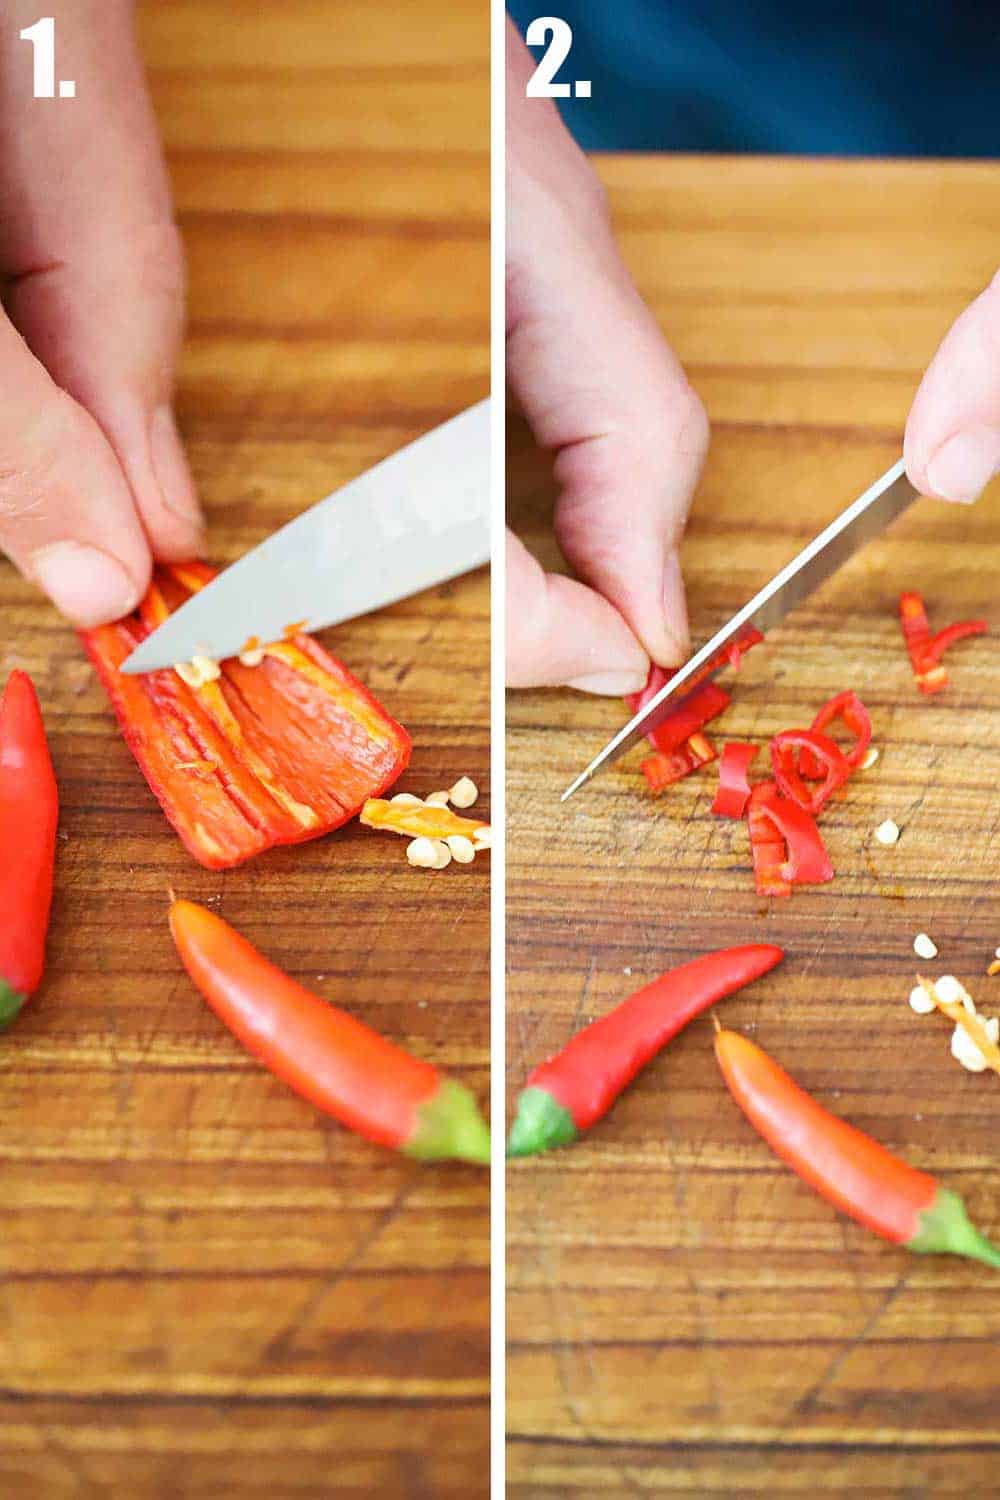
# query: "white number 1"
[42,37]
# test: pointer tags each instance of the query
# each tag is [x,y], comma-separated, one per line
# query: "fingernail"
[675,619]
[964,465]
[84,583]
[170,466]
[610,684]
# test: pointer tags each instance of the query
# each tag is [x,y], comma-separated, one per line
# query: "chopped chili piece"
[848,707]
[808,862]
[824,751]
[572,1090]
[297,745]
[663,768]
[845,1166]
[684,718]
[418,821]
[767,843]
[29,815]
[326,1055]
[926,650]
[734,781]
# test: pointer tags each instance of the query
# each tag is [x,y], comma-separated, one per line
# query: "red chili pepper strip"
[844,1165]
[662,769]
[574,1088]
[690,715]
[335,1061]
[808,862]
[848,707]
[259,756]
[767,843]
[734,781]
[788,775]
[926,650]
[29,815]
[940,643]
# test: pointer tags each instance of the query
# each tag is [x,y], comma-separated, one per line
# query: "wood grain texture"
[684,1316]
[207,1288]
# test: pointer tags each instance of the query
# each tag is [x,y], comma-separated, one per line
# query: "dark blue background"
[846,79]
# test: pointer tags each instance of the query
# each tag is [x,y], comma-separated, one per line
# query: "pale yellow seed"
[887,833]
[422,852]
[442,854]
[871,756]
[965,1051]
[921,1001]
[406,799]
[253,657]
[463,850]
[464,792]
[924,947]
[953,993]
[198,671]
[483,837]
[437,799]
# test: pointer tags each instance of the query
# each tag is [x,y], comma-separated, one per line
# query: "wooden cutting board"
[684,1316]
[207,1287]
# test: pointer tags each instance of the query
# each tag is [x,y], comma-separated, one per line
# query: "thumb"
[559,631]
[952,443]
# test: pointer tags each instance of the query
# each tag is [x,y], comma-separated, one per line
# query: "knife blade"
[865,518]
[416,519]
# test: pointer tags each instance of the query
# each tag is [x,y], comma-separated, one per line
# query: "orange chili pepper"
[843,1165]
[335,1061]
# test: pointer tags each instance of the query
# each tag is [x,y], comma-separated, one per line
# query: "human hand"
[93,478]
[604,393]
[952,443]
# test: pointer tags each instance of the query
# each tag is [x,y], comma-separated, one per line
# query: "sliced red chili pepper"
[662,769]
[29,815]
[259,756]
[825,752]
[807,862]
[767,844]
[573,1089]
[734,781]
[842,1164]
[691,714]
[848,707]
[926,650]
[326,1055]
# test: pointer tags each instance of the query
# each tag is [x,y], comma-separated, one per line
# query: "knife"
[418,518]
[869,515]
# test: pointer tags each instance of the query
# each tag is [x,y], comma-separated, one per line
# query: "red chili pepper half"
[734,781]
[848,707]
[263,755]
[324,1054]
[577,1086]
[824,752]
[29,815]
[665,767]
[926,650]
[844,1165]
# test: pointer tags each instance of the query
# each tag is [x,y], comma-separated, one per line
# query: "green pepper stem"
[11,1001]
[450,1127]
[540,1124]
[945,1228]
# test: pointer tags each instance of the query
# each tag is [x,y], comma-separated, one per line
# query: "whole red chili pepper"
[832,762]
[29,815]
[330,1058]
[734,781]
[577,1086]
[844,1165]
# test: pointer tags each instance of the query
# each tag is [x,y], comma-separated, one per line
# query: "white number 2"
[540,85]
